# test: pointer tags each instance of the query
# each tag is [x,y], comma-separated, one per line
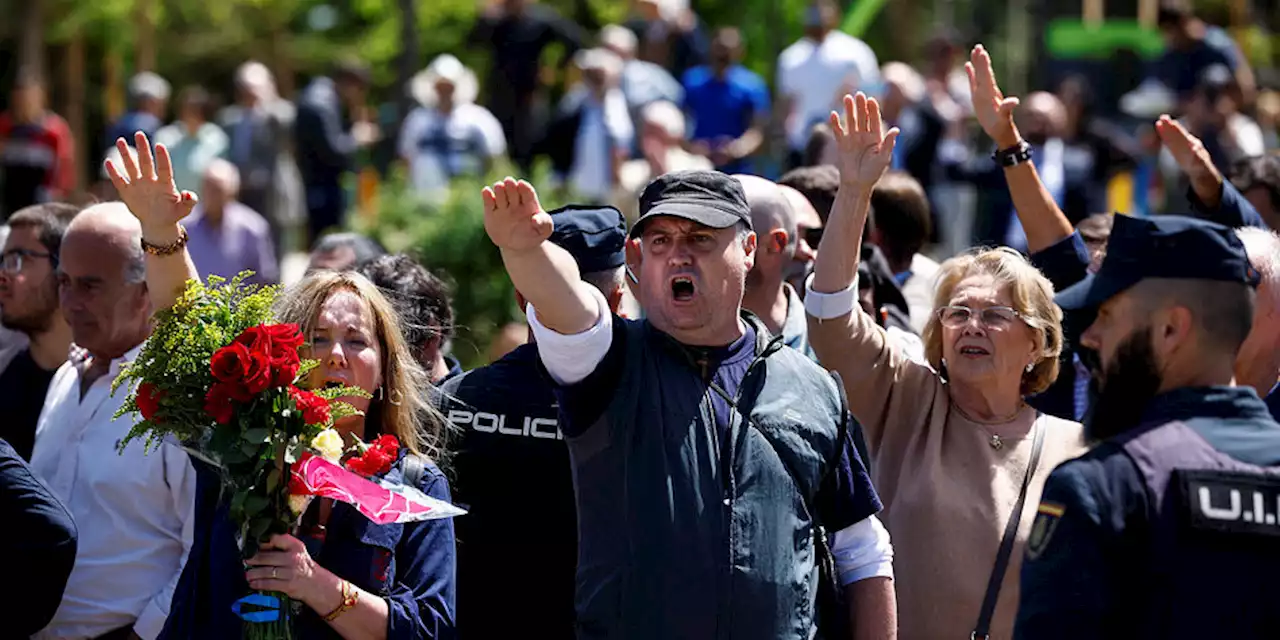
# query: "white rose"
[328,444]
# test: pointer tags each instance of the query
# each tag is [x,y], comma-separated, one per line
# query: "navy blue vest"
[1214,550]
[684,534]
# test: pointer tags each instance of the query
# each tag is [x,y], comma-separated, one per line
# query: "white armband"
[825,306]
[862,550]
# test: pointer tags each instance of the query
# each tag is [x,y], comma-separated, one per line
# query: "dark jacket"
[687,534]
[512,475]
[1156,533]
[411,566]
[38,541]
[325,148]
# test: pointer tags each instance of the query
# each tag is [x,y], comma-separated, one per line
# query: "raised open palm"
[513,218]
[147,187]
[993,110]
[866,151]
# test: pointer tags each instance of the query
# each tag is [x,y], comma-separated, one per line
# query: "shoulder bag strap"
[982,629]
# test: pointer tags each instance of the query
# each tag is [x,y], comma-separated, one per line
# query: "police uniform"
[517,546]
[1171,529]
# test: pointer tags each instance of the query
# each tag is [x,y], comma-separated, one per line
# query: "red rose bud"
[285,340]
[284,371]
[255,339]
[257,377]
[217,403]
[148,400]
[230,363]
[315,410]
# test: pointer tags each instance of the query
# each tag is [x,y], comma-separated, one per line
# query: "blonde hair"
[402,410]
[1032,297]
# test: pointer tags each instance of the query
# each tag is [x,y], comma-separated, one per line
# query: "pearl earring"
[1030,366]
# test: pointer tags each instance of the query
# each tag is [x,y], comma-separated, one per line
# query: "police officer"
[1168,528]
[517,549]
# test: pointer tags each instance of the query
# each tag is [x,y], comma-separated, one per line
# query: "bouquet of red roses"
[220,377]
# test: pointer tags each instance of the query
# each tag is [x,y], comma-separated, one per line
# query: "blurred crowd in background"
[658,92]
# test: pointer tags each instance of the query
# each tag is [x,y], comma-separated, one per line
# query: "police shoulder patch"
[1231,502]
[1047,517]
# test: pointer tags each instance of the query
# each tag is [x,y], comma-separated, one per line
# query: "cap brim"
[1089,293]
[701,214]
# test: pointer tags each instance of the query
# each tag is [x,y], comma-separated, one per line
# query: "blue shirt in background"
[722,109]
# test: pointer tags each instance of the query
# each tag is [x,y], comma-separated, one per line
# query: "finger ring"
[274,572]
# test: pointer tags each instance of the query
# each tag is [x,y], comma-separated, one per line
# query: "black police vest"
[1214,551]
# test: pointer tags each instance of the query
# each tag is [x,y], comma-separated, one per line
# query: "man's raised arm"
[543,273]
[148,189]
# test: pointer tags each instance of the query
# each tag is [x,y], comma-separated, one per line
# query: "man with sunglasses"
[29,305]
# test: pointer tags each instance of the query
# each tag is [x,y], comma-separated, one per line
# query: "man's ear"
[1172,328]
[749,248]
[778,240]
[635,258]
[614,298]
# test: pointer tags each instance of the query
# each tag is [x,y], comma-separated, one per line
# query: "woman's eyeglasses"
[956,316]
[11,260]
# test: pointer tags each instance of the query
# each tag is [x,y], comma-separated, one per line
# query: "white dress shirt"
[815,76]
[862,550]
[135,512]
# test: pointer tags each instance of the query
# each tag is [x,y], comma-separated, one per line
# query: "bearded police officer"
[517,548]
[1169,528]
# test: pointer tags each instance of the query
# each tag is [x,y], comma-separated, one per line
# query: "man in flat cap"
[1168,529]
[513,469]
[712,465]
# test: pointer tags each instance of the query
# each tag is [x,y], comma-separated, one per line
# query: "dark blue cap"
[1173,247]
[595,236]
[710,198]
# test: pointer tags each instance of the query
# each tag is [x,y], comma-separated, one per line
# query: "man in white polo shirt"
[134,510]
[816,72]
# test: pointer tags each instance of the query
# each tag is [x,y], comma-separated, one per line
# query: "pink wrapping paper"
[382,503]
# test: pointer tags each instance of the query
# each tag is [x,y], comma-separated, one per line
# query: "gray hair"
[1263,248]
[148,85]
[606,281]
[115,221]
[224,173]
[665,115]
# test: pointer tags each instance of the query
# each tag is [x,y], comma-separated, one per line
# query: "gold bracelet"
[350,595]
[167,249]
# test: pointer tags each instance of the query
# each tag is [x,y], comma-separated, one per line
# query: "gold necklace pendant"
[996,442]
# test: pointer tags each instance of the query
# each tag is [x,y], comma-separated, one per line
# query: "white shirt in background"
[438,145]
[816,75]
[135,512]
[919,289]
[604,128]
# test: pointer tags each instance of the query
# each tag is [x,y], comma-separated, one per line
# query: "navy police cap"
[1174,247]
[595,236]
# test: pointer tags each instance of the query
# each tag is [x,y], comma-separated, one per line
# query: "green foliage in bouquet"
[176,357]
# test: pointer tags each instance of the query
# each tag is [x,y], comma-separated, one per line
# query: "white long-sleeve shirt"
[135,512]
[862,550]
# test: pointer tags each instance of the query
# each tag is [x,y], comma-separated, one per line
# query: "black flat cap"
[709,198]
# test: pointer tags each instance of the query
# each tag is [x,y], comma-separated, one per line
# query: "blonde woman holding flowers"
[356,579]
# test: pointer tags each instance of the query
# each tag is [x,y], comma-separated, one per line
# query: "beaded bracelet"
[350,595]
[167,249]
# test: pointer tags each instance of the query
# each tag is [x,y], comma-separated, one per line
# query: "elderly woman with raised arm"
[957,452]
[358,579]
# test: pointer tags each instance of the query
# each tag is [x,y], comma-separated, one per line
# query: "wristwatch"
[1013,156]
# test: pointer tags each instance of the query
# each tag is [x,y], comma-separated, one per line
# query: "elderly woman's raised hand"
[865,150]
[146,186]
[991,107]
